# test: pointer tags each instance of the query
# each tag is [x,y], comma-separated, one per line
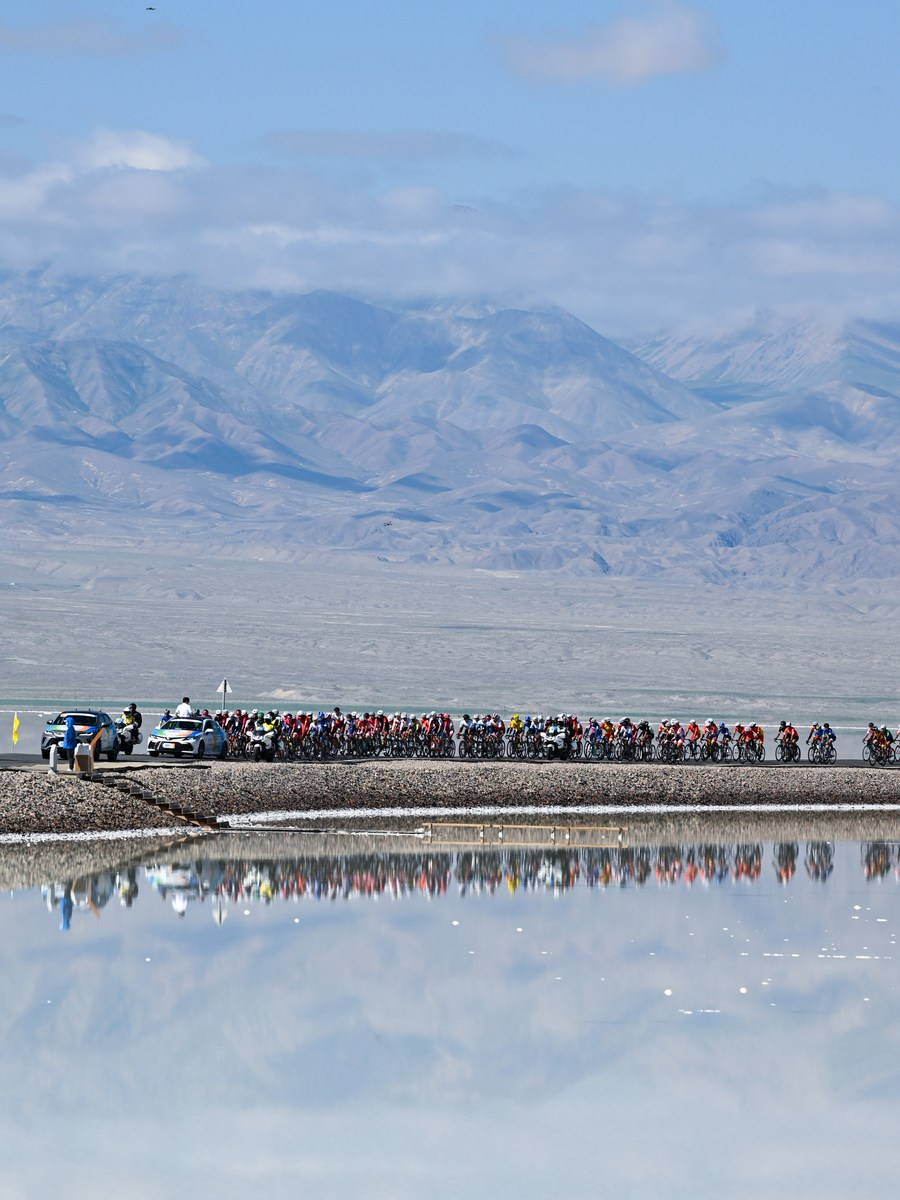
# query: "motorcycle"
[557,743]
[127,736]
[263,744]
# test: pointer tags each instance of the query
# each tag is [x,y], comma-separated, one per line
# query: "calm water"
[649,1021]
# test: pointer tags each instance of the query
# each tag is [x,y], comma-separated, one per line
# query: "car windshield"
[189,725]
[80,718]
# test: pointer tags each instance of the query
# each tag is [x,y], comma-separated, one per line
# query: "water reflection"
[183,881]
[682,1017]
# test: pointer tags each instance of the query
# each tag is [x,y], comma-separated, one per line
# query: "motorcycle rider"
[130,724]
[131,716]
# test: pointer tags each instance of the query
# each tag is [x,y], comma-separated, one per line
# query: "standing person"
[184,708]
[70,741]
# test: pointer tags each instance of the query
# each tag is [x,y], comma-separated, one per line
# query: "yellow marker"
[16,729]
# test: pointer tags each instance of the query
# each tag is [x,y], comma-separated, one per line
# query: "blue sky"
[643,164]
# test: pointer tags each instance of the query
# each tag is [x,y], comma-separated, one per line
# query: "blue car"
[88,722]
[199,737]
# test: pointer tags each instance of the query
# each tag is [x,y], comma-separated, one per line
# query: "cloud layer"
[668,40]
[623,261]
[93,38]
[410,146]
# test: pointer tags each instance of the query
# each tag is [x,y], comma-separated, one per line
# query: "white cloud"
[625,262]
[669,40]
[138,150]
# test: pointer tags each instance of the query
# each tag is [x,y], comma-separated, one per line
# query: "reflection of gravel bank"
[37,863]
[34,803]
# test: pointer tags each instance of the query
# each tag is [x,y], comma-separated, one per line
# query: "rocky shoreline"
[33,803]
[63,827]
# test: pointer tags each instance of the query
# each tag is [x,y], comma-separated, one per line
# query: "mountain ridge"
[505,439]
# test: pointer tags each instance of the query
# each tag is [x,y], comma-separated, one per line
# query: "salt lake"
[714,1014]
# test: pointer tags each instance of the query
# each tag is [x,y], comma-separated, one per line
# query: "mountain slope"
[301,426]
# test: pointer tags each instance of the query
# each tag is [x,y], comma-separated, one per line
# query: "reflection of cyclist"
[785,860]
[819,861]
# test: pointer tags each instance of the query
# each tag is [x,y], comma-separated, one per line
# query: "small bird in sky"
[150,8]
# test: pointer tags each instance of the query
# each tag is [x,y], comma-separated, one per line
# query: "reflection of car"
[199,736]
[87,722]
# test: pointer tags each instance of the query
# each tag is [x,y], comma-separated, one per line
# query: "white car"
[200,737]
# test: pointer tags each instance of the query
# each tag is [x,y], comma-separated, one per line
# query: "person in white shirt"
[184,708]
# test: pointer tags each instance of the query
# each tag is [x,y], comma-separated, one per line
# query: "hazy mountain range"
[162,414]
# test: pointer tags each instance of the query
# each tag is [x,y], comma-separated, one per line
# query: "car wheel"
[45,753]
[201,750]
[113,753]
[127,749]
[223,753]
[177,752]
[153,753]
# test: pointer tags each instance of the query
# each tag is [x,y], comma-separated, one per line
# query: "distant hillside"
[255,425]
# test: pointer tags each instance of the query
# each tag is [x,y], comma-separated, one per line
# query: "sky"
[646,165]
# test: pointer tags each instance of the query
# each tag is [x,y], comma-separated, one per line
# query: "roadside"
[134,795]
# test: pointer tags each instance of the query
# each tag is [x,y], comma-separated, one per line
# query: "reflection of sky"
[653,1040]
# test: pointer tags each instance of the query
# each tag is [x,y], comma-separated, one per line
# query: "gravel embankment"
[232,788]
[701,801]
[38,803]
